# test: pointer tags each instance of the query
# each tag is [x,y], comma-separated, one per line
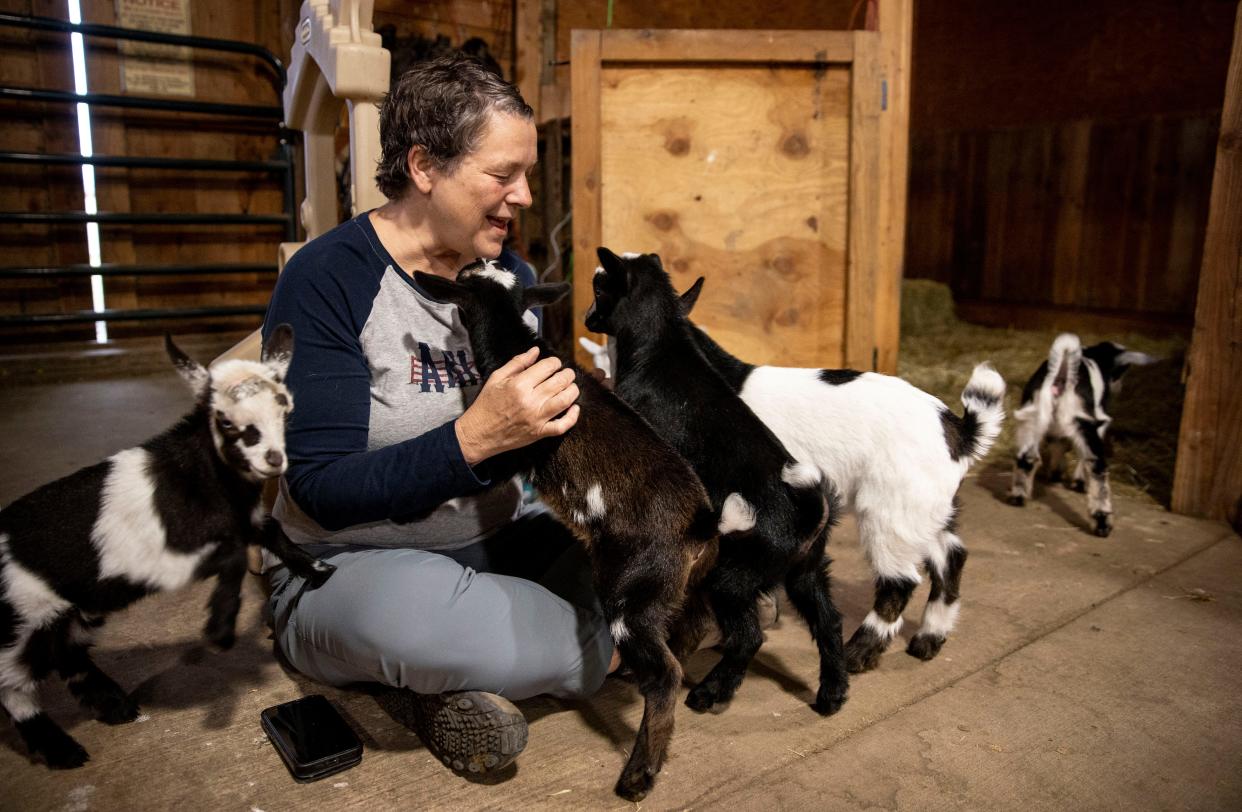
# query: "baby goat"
[182,506]
[896,456]
[1063,404]
[778,510]
[641,512]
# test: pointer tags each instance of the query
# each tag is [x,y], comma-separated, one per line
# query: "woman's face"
[473,205]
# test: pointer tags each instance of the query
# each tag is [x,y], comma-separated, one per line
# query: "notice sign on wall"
[147,68]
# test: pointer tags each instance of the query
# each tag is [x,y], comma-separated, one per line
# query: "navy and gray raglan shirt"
[380,373]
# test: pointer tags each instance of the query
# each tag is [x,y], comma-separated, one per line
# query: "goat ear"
[610,261]
[540,295]
[278,351]
[191,371]
[446,290]
[691,296]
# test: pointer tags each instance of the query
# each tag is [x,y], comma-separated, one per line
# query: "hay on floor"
[938,351]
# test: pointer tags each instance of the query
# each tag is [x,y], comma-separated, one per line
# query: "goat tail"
[1064,358]
[1065,347]
[984,402]
[736,515]
[814,497]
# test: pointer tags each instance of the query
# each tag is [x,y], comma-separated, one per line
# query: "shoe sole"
[472,732]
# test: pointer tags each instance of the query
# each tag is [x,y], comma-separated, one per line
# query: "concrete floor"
[1085,673]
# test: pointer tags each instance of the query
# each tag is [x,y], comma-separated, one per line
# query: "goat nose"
[274,458]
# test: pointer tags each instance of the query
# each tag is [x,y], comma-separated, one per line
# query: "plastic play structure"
[336,59]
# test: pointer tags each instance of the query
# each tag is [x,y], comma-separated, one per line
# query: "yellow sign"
[156,70]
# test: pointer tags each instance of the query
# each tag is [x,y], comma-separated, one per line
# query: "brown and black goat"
[636,505]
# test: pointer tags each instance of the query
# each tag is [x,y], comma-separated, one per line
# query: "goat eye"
[225,423]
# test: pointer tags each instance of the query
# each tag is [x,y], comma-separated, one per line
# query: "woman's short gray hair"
[441,105]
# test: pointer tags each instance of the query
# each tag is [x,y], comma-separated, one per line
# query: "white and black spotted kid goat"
[1063,407]
[180,507]
[636,505]
[897,456]
[778,511]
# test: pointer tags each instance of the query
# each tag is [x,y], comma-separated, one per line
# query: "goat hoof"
[221,641]
[1103,525]
[65,754]
[861,658]
[634,787]
[829,701]
[924,646]
[319,574]
[700,699]
[118,711]
[1016,501]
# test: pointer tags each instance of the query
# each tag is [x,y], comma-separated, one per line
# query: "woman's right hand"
[518,405]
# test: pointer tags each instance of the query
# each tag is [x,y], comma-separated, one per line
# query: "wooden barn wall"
[798,15]
[457,20]
[1061,157]
[39,59]
[1060,152]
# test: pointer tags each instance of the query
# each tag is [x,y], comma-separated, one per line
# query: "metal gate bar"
[283,166]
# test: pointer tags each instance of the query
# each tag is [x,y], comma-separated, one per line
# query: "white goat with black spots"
[1063,407]
[897,457]
[180,507]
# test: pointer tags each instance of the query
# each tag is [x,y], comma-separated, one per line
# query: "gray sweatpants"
[513,614]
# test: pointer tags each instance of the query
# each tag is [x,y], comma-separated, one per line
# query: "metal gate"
[282,167]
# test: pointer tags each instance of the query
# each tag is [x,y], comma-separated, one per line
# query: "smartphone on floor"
[312,737]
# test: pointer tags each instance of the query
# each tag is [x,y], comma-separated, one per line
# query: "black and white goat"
[777,511]
[1063,406]
[636,505]
[896,456]
[180,507]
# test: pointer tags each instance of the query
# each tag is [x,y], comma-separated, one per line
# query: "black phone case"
[310,716]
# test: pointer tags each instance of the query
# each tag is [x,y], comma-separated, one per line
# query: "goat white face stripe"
[884,630]
[128,533]
[245,393]
[939,618]
[506,279]
[736,514]
[618,630]
[595,501]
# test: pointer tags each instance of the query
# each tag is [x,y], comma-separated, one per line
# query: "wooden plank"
[1208,475]
[697,45]
[1161,187]
[528,61]
[896,26]
[1046,317]
[1070,156]
[757,203]
[1196,157]
[864,227]
[761,204]
[458,20]
[585,133]
[969,222]
[550,91]
[996,202]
